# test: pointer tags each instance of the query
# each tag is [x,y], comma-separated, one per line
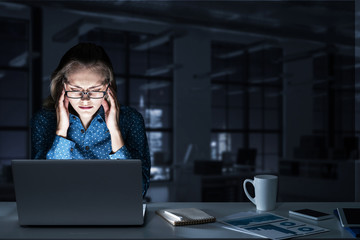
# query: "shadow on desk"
[7,192]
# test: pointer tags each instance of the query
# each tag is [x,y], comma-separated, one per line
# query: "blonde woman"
[82,118]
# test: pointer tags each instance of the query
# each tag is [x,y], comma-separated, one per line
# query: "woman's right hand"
[62,115]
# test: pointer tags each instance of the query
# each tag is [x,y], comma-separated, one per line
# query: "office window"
[334,101]
[15,99]
[144,81]
[246,103]
[357,104]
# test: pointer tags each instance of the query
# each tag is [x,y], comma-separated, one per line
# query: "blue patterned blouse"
[95,142]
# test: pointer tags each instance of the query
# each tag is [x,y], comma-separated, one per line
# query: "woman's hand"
[62,115]
[112,113]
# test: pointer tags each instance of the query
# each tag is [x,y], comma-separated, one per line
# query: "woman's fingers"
[62,114]
[111,98]
[63,104]
[105,105]
[114,105]
[61,99]
[111,111]
[66,103]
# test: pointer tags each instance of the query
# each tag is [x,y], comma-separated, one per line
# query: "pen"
[178,218]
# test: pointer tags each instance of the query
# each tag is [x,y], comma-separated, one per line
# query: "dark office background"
[228,89]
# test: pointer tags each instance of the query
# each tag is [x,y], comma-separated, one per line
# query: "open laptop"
[79,192]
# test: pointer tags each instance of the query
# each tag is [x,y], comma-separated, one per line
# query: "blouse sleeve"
[136,147]
[43,126]
[60,149]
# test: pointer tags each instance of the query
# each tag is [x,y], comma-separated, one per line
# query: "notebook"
[185,216]
[78,192]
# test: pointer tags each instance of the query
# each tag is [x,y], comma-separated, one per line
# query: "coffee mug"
[265,191]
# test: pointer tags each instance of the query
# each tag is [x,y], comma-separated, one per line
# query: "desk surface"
[156,228]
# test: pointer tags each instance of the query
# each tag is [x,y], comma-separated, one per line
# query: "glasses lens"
[74,94]
[78,94]
[96,94]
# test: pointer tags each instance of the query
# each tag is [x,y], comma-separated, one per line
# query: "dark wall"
[213,80]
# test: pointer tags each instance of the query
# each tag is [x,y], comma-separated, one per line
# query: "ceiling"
[319,21]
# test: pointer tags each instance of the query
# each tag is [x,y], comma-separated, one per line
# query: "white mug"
[265,191]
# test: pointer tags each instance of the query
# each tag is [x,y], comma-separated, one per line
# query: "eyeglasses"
[91,94]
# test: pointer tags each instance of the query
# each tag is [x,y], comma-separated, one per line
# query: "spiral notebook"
[185,216]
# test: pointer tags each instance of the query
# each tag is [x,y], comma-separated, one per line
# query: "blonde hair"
[81,56]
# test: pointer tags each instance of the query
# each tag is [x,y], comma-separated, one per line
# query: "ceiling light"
[155,41]
[161,70]
[252,47]
[222,73]
[154,85]
[19,61]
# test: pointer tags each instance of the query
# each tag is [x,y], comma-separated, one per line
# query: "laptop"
[79,192]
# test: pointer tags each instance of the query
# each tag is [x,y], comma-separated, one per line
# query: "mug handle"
[246,192]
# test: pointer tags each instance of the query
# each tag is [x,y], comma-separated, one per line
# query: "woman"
[82,119]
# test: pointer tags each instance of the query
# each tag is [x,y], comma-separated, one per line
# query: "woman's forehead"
[85,78]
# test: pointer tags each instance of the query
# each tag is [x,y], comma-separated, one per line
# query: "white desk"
[156,228]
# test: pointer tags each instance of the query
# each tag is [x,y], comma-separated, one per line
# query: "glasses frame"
[86,93]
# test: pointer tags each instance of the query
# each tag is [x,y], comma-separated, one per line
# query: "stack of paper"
[270,226]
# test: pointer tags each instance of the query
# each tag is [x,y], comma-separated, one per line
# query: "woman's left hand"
[112,113]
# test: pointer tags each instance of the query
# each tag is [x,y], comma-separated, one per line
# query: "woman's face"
[85,80]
